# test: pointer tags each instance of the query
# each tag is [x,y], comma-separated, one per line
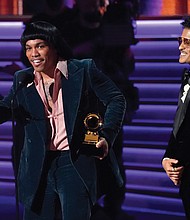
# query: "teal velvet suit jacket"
[29,112]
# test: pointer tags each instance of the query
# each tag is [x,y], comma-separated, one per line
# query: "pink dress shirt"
[59,139]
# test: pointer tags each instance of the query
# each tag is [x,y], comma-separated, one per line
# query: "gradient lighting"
[170,28]
[11,30]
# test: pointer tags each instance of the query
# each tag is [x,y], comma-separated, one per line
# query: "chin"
[182,60]
[38,69]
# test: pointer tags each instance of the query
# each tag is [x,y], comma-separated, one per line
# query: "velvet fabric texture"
[29,112]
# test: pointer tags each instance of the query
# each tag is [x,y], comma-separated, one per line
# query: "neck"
[47,78]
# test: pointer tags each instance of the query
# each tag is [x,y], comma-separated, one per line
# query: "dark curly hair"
[48,32]
[186,22]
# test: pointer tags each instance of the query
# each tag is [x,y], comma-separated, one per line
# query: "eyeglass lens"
[186,41]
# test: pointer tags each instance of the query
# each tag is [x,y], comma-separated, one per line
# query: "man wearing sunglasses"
[176,160]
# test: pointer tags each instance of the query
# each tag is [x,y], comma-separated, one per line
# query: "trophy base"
[91,150]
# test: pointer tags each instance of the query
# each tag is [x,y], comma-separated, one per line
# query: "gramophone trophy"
[93,122]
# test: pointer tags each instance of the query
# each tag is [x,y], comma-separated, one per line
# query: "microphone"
[23,79]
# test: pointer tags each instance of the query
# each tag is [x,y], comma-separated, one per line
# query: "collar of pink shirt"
[59,139]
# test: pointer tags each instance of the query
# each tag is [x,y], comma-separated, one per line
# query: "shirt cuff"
[166,158]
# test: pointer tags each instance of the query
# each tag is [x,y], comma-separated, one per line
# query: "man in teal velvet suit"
[51,100]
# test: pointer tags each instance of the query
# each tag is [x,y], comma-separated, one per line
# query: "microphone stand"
[15,159]
[23,80]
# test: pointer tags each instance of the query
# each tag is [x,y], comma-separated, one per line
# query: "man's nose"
[181,46]
[34,52]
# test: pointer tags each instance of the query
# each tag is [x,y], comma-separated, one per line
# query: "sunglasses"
[186,41]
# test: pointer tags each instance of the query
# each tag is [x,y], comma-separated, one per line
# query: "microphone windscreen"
[25,78]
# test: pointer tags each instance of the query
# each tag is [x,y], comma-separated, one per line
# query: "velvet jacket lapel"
[71,89]
[181,111]
[35,104]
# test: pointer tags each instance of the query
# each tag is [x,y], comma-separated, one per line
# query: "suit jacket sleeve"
[5,107]
[112,98]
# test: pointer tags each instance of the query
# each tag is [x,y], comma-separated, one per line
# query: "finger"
[100,143]
[173,161]
[101,158]
[175,180]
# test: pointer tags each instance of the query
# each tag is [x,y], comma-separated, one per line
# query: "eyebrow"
[38,43]
[184,37]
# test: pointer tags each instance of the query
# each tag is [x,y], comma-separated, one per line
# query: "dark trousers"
[60,181]
[185,191]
